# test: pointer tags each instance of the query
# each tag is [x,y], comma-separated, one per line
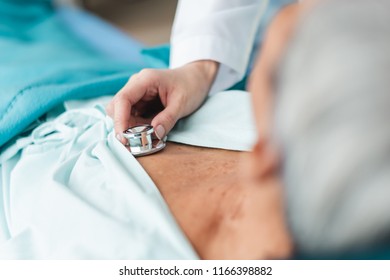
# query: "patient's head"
[331,124]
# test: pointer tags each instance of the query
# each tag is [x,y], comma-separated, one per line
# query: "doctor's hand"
[171,93]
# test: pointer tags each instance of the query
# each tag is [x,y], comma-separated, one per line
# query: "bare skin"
[223,215]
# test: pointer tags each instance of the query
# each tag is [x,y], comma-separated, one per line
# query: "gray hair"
[332,121]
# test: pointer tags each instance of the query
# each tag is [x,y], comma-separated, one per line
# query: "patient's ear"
[263,162]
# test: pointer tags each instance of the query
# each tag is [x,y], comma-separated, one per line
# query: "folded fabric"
[77,194]
[225,121]
[71,190]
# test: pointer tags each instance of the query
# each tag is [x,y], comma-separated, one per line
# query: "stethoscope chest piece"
[142,140]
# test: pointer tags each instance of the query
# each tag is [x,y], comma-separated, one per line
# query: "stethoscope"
[142,140]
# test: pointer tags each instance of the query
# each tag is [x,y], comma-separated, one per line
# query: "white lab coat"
[219,30]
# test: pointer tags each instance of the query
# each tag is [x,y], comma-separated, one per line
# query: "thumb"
[164,121]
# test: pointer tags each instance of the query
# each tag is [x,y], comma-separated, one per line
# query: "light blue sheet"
[70,190]
[77,193]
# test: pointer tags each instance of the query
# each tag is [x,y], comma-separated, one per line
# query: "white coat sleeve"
[219,30]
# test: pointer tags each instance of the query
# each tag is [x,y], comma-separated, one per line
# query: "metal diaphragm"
[142,140]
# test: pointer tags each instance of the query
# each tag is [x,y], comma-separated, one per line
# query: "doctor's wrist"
[205,71]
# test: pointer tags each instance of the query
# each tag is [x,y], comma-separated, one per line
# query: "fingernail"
[160,132]
[119,136]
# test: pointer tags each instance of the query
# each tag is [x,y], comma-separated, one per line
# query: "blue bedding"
[43,63]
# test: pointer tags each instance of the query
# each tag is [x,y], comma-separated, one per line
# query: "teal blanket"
[43,64]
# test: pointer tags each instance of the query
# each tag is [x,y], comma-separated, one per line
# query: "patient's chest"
[203,188]
[183,168]
[193,181]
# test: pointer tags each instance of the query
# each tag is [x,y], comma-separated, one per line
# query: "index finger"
[125,99]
